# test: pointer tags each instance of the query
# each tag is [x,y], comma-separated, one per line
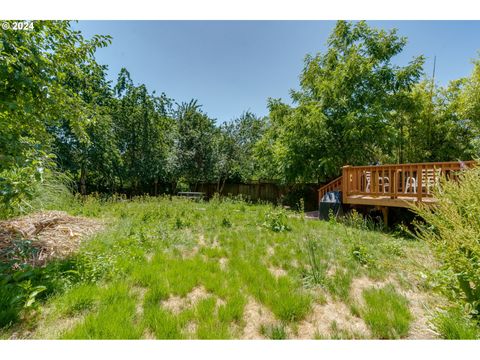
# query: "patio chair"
[430,178]
[383,181]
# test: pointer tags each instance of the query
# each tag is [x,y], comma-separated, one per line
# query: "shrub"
[276,220]
[452,229]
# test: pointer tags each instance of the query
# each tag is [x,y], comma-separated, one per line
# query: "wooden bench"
[191,195]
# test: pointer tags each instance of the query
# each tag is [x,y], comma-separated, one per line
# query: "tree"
[92,158]
[234,149]
[346,99]
[469,104]
[143,127]
[34,65]
[195,144]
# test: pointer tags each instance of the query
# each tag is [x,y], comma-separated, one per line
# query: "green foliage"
[78,299]
[276,220]
[361,253]
[345,102]
[234,148]
[194,151]
[35,66]
[451,229]
[115,319]
[455,325]
[144,134]
[468,103]
[386,313]
[226,223]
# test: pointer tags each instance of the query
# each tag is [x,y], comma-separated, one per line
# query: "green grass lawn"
[179,269]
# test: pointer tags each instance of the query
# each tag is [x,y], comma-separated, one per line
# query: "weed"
[451,228]
[226,223]
[361,254]
[315,274]
[114,320]
[180,223]
[276,220]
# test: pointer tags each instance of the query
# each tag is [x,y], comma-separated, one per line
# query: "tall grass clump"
[49,190]
[315,274]
[455,325]
[386,313]
[452,229]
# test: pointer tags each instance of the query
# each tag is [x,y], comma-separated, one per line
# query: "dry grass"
[177,304]
[319,321]
[255,316]
[50,234]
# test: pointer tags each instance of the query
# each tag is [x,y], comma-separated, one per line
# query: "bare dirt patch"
[177,304]
[320,320]
[139,293]
[191,329]
[277,272]
[201,240]
[254,316]
[223,263]
[149,257]
[37,238]
[421,327]
[271,251]
[363,283]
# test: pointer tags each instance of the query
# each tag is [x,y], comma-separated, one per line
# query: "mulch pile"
[37,238]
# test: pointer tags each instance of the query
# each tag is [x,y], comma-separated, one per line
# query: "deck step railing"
[334,185]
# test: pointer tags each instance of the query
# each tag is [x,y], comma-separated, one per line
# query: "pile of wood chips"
[37,238]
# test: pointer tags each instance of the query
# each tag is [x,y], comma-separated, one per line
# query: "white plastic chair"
[383,181]
[430,178]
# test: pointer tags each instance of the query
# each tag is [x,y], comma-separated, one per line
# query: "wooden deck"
[395,185]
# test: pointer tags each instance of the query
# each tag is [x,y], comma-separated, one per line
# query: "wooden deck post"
[385,216]
[345,182]
[419,182]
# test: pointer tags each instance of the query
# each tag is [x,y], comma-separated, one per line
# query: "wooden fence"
[267,191]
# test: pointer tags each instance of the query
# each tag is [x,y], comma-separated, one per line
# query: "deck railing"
[398,180]
[331,186]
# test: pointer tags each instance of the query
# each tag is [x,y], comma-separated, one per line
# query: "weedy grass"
[455,325]
[386,313]
[274,332]
[156,249]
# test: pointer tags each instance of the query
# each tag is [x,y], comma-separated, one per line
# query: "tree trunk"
[223,185]
[83,180]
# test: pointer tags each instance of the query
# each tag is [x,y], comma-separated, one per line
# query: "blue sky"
[233,66]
